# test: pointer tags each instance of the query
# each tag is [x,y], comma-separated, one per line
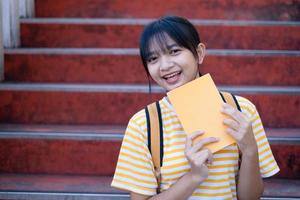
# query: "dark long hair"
[177,28]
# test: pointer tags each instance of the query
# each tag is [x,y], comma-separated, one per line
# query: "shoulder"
[137,123]
[139,117]
[139,120]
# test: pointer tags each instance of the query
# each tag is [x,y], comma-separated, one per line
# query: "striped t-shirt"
[135,170]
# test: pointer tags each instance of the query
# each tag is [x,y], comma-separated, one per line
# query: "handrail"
[11,23]
[10,13]
[26,8]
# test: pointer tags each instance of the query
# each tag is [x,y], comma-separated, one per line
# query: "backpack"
[155,132]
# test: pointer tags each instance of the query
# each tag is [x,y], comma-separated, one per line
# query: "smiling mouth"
[172,75]
[172,78]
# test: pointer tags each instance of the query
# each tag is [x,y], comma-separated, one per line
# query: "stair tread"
[101,184]
[135,51]
[56,183]
[145,21]
[44,128]
[112,129]
[281,187]
[100,87]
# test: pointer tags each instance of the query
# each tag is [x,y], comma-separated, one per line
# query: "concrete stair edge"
[110,132]
[99,186]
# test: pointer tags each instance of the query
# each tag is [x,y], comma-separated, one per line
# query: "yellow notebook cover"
[198,104]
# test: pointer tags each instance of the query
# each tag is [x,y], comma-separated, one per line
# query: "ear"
[201,52]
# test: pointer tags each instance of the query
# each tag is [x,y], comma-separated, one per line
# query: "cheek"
[152,71]
[152,75]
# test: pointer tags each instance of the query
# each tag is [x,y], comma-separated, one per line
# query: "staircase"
[71,87]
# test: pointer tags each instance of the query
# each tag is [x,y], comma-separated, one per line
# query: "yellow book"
[198,106]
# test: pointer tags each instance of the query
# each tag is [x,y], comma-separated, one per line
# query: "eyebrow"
[168,47]
[172,45]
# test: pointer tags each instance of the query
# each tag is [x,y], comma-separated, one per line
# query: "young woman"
[171,52]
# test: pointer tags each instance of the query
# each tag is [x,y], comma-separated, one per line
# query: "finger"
[240,120]
[201,143]
[200,157]
[233,133]
[195,134]
[190,137]
[188,144]
[204,157]
[232,112]
[232,124]
[210,158]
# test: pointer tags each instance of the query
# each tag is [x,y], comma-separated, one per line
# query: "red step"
[81,150]
[236,9]
[60,107]
[89,33]
[93,150]
[114,104]
[83,187]
[81,67]
[58,156]
[56,183]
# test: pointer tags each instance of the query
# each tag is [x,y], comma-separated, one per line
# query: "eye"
[152,59]
[174,51]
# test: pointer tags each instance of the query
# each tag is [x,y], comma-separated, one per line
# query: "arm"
[250,184]
[198,158]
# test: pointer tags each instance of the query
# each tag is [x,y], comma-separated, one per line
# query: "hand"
[198,156]
[240,128]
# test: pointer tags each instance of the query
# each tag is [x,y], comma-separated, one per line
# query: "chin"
[169,87]
[173,87]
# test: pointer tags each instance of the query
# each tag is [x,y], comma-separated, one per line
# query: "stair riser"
[94,157]
[127,36]
[116,108]
[58,156]
[287,157]
[231,70]
[70,107]
[266,10]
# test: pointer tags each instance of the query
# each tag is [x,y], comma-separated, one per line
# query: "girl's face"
[173,65]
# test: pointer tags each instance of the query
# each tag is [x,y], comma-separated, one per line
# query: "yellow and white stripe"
[135,172]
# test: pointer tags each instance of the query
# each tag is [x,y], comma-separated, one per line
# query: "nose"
[166,63]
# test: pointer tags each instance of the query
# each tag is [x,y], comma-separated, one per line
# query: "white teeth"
[171,75]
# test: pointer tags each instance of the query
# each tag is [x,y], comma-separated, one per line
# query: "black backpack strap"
[161,133]
[236,103]
[230,99]
[148,128]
